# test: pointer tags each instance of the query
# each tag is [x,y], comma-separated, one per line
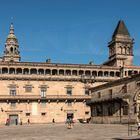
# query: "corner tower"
[11,53]
[120,47]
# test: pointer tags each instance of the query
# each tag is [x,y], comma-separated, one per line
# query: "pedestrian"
[21,122]
[28,121]
[69,123]
[53,120]
[7,121]
[16,121]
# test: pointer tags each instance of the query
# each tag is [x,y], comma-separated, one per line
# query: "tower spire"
[121,29]
[120,47]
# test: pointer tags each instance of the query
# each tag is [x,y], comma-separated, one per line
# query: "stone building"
[41,92]
[117,101]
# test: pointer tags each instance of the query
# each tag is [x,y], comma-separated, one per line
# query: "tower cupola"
[11,52]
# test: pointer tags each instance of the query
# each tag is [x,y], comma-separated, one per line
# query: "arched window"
[94,73]
[117,74]
[11,49]
[33,71]
[48,71]
[106,73]
[129,72]
[4,70]
[100,73]
[11,71]
[88,73]
[61,72]
[81,72]
[135,72]
[41,71]
[54,72]
[74,72]
[26,71]
[112,73]
[19,71]
[68,72]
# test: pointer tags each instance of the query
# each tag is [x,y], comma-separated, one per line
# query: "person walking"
[28,121]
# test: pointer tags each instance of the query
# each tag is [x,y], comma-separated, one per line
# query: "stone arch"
[88,73]
[54,72]
[19,71]
[11,49]
[81,72]
[25,71]
[48,71]
[4,70]
[136,94]
[100,73]
[94,73]
[68,72]
[61,72]
[117,74]
[12,71]
[41,71]
[112,73]
[106,73]
[74,72]
[33,71]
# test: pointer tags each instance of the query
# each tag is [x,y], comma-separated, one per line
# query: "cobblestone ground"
[60,132]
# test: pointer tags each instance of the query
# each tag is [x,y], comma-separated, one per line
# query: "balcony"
[56,77]
[48,97]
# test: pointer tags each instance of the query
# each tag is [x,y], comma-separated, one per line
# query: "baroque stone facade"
[43,92]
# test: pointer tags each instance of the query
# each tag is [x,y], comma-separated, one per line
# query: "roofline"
[116,82]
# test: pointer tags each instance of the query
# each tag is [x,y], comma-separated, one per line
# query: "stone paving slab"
[60,132]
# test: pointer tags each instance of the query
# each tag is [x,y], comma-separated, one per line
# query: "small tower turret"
[11,53]
[120,47]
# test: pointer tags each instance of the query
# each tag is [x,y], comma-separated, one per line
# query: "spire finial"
[11,28]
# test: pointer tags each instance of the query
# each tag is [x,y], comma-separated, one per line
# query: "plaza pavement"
[60,132]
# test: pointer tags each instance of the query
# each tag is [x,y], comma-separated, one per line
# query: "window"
[43,104]
[43,92]
[13,104]
[28,88]
[86,91]
[27,114]
[87,113]
[13,91]
[69,90]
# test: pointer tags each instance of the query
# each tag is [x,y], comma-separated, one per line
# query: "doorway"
[70,115]
[13,119]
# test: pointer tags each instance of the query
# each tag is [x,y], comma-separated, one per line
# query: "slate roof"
[121,29]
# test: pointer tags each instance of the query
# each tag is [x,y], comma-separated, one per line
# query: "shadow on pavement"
[126,139]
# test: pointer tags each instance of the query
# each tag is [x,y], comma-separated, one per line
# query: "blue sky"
[68,31]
